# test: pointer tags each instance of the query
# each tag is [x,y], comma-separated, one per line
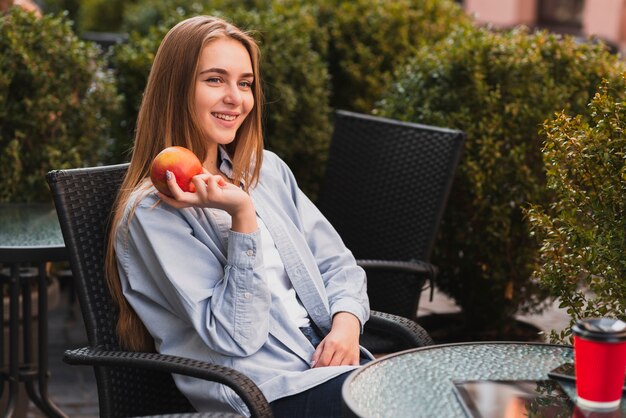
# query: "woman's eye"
[245,84]
[213,80]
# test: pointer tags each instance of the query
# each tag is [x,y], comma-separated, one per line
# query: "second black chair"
[385,190]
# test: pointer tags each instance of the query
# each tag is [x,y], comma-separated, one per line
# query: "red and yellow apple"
[181,162]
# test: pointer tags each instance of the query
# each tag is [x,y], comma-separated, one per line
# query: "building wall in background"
[605,19]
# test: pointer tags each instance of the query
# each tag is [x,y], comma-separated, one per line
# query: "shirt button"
[247,295]
[250,253]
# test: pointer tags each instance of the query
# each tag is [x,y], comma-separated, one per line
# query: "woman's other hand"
[341,345]
[212,191]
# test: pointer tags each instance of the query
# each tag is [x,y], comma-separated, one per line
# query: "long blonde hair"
[166,118]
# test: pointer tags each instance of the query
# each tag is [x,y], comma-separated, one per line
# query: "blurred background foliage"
[58,101]
[418,60]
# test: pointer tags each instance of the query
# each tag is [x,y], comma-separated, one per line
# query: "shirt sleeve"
[344,280]
[224,298]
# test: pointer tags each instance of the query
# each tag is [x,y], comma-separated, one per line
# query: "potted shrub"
[498,87]
[56,102]
[582,232]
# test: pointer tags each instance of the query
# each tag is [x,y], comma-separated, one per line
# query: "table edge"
[33,254]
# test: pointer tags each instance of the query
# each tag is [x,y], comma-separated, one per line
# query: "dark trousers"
[321,401]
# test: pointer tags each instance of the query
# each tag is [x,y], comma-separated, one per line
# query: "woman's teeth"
[224,117]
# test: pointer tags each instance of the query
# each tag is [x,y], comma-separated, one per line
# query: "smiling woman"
[243,271]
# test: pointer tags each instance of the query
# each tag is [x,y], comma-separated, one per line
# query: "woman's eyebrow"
[223,71]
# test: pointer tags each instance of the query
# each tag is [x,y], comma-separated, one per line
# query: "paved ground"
[553,318]
[73,388]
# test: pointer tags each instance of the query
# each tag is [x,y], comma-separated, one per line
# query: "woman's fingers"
[207,190]
[330,353]
[315,360]
[204,188]
[175,190]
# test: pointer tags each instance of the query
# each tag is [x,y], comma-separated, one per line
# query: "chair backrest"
[385,190]
[84,198]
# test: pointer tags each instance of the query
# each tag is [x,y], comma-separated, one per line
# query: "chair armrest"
[406,329]
[413,266]
[247,390]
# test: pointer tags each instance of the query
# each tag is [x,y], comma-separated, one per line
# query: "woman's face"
[223,89]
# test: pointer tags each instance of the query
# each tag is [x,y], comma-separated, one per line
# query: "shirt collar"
[225,163]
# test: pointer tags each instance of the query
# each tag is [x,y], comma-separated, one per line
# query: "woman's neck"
[211,162]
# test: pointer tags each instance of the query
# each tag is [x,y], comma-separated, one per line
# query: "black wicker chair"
[385,190]
[134,384]
[129,384]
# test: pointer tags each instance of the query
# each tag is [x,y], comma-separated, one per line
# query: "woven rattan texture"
[386,333]
[84,198]
[87,198]
[197,415]
[385,190]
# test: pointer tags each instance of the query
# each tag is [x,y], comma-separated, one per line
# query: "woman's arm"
[170,264]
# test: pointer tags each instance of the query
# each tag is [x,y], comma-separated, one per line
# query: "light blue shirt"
[200,289]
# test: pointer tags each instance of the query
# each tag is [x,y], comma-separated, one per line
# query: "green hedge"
[370,39]
[498,88]
[583,232]
[56,102]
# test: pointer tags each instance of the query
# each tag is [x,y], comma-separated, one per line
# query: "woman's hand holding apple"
[212,191]
[195,186]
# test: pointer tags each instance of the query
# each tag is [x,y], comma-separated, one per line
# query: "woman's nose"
[233,95]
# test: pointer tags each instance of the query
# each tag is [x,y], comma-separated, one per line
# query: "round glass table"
[29,234]
[418,382]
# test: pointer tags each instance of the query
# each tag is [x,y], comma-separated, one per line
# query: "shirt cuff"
[243,249]
[352,307]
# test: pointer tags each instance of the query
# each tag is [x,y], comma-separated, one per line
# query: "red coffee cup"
[600,362]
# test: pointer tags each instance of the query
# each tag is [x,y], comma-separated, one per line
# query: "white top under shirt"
[275,273]
[278,281]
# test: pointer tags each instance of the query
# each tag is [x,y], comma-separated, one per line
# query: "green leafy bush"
[583,232]
[296,82]
[498,88]
[68,7]
[101,15]
[369,39]
[143,15]
[56,102]
[131,62]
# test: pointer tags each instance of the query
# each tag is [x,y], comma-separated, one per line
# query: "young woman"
[244,272]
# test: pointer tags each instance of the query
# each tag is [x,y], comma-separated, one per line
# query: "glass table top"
[418,383]
[29,227]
